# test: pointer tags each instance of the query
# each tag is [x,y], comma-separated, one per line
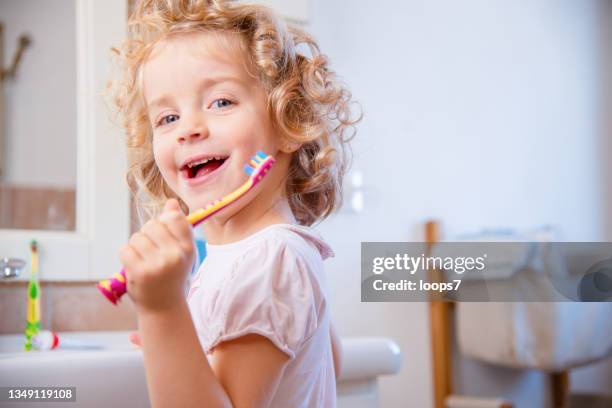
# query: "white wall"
[605,108]
[480,113]
[598,377]
[40,102]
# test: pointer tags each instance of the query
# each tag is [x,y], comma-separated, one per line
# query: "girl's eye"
[167,119]
[221,103]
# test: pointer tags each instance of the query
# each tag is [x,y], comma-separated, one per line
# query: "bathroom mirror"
[38,126]
[82,136]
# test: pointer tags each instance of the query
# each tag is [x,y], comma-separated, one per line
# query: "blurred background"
[487,114]
[479,114]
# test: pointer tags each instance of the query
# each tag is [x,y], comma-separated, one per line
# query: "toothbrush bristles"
[259,164]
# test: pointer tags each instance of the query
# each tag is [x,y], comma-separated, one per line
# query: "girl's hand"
[157,260]
[135,339]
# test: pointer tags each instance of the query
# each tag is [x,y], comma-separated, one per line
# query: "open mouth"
[202,167]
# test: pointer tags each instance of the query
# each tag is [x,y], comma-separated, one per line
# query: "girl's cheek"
[157,155]
[252,139]
[164,158]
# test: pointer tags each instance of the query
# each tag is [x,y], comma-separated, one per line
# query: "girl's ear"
[289,146]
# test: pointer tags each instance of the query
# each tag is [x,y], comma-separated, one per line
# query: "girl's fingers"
[177,225]
[129,256]
[142,244]
[175,221]
[158,233]
[172,205]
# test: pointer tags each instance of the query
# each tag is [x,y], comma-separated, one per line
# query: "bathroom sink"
[101,377]
[114,374]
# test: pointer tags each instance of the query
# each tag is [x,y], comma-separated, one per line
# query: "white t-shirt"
[272,283]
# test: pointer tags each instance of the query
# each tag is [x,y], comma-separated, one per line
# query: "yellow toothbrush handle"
[199,215]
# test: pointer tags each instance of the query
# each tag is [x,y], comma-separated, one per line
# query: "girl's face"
[208,115]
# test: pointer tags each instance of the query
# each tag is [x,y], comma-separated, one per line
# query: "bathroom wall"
[65,306]
[26,207]
[488,113]
[598,377]
[605,108]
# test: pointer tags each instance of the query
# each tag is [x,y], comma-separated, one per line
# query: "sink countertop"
[11,345]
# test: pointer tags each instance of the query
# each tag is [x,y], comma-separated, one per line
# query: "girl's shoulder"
[289,244]
[305,241]
[271,241]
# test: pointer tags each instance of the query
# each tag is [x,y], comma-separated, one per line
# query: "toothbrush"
[48,340]
[33,314]
[116,286]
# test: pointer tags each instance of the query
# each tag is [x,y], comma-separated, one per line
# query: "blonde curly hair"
[307,103]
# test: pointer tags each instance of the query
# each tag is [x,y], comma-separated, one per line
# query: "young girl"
[206,84]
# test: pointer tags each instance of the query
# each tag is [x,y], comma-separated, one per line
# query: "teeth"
[197,163]
[204,161]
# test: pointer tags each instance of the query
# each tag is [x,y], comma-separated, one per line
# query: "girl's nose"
[191,136]
[194,130]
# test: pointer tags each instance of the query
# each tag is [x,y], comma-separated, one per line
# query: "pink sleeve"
[271,292]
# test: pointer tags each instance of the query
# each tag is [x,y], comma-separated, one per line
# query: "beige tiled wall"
[44,208]
[65,306]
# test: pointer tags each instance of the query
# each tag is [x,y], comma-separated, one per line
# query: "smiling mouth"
[201,168]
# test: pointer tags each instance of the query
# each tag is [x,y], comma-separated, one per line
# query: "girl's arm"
[336,348]
[249,368]
[245,372]
[178,373]
[157,260]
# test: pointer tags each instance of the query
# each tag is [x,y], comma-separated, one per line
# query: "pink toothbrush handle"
[113,288]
